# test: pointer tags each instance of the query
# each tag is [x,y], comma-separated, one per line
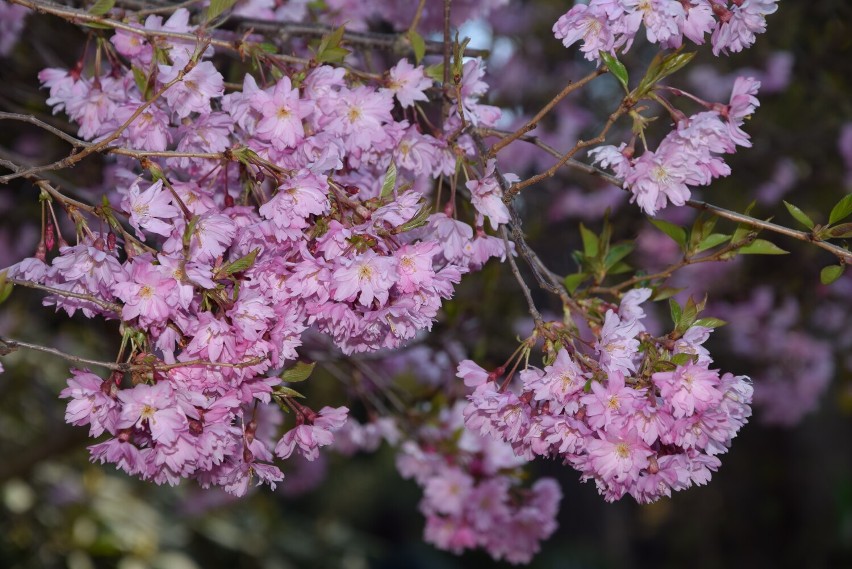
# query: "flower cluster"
[610,25]
[471,492]
[687,156]
[288,207]
[639,415]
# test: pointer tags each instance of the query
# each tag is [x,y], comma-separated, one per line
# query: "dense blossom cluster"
[329,247]
[610,25]
[471,492]
[612,415]
[688,155]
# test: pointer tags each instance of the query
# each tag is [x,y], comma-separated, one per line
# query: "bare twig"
[112,307]
[533,122]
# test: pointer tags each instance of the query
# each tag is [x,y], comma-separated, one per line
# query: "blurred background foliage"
[783,497]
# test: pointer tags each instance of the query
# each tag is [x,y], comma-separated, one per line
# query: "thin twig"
[533,122]
[518,186]
[8,345]
[112,307]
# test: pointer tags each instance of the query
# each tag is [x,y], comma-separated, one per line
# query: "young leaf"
[217,7]
[665,292]
[101,7]
[590,241]
[5,287]
[573,281]
[683,359]
[674,231]
[287,392]
[711,241]
[299,372]
[710,322]
[842,231]
[617,253]
[241,264]
[660,68]
[841,210]
[616,68]
[761,247]
[389,182]
[827,275]
[676,311]
[799,215]
[418,45]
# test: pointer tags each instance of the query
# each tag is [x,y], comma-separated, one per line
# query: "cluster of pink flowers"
[471,491]
[688,156]
[291,226]
[638,416]
[611,25]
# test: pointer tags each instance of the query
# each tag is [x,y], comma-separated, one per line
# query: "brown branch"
[518,186]
[390,42]
[533,122]
[112,307]
[669,271]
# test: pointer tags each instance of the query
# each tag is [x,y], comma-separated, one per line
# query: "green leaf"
[389,182]
[660,68]
[676,311]
[435,72]
[842,231]
[761,247]
[141,80]
[683,359]
[5,287]
[617,253]
[841,210]
[799,215]
[665,292]
[710,322]
[712,240]
[217,7]
[418,45]
[590,241]
[287,392]
[329,50]
[827,275]
[101,7]
[189,231]
[674,231]
[417,221]
[616,68]
[573,281]
[299,372]
[619,268]
[241,264]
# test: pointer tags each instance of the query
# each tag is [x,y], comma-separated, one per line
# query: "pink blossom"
[154,407]
[312,433]
[408,83]
[92,402]
[148,209]
[588,23]
[194,91]
[281,115]
[365,278]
